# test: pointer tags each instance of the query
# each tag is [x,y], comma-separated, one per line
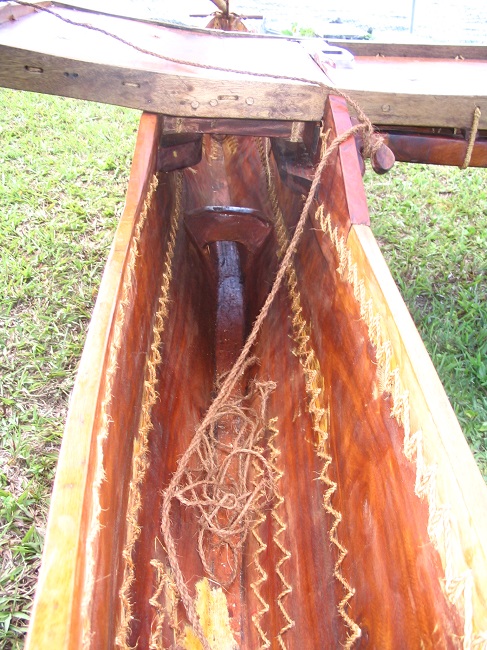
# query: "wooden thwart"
[88,64]
[241,76]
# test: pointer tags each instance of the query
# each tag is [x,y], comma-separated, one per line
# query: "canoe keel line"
[318,506]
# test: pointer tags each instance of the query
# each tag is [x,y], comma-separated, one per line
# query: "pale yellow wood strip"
[59,587]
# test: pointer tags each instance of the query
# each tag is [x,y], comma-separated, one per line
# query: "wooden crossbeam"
[206,75]
[164,70]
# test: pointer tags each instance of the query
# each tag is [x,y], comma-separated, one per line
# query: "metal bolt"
[213,102]
[386,108]
[194,104]
[249,101]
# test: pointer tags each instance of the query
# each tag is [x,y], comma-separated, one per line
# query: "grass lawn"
[63,171]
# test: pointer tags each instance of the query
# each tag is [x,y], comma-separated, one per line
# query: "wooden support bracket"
[227,126]
[179,150]
[294,163]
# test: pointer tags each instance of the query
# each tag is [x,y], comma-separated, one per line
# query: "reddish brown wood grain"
[185,383]
[436,149]
[57,620]
[390,563]
[348,205]
[211,224]
[315,346]
[178,150]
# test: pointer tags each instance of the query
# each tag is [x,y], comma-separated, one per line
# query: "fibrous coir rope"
[473,136]
[164,57]
[235,373]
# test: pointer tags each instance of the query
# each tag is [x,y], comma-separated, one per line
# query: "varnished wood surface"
[316,347]
[383,525]
[436,149]
[222,223]
[348,204]
[56,619]
[445,447]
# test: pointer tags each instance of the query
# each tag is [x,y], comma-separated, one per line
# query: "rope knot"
[372,142]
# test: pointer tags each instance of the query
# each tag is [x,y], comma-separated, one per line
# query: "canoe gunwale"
[56,622]
[457,517]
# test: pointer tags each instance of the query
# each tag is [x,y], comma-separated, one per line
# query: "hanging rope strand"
[164,57]
[224,394]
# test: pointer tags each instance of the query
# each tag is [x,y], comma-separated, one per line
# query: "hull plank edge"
[444,444]
[59,592]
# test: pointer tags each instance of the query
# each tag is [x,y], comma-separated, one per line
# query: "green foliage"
[431,223]
[296,30]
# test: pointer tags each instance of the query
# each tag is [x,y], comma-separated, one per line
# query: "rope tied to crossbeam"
[371,141]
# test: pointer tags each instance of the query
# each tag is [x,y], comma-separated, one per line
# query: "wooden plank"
[294,164]
[400,109]
[460,488]
[59,589]
[341,189]
[435,149]
[257,128]
[419,92]
[277,79]
[44,54]
[415,50]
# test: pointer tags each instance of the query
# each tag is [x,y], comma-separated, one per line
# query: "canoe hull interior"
[339,547]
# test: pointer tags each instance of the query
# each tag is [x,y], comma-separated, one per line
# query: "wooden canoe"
[332,502]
